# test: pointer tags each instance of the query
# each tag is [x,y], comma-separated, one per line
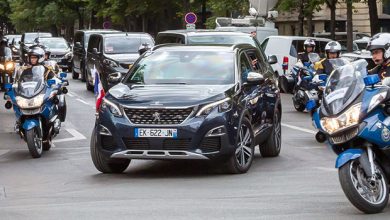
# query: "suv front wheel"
[241,160]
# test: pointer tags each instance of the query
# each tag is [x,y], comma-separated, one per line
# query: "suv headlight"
[35,102]
[223,106]
[114,109]
[345,120]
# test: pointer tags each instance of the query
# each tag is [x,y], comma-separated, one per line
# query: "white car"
[286,49]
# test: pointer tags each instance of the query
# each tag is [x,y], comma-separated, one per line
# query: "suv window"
[165,39]
[79,37]
[245,67]
[255,60]
[94,43]
[293,50]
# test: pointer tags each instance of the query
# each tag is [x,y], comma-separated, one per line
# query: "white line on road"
[76,136]
[299,129]
[82,101]
[2,152]
[327,169]
[71,94]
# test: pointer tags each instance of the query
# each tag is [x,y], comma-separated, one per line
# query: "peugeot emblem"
[156,117]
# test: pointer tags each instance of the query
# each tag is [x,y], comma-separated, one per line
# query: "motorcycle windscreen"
[314,57]
[31,83]
[5,54]
[343,86]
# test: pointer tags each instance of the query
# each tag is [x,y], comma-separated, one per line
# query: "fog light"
[104,131]
[218,131]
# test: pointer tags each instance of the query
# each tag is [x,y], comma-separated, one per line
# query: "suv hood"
[169,95]
[124,58]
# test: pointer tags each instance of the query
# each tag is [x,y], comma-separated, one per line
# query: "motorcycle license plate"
[155,132]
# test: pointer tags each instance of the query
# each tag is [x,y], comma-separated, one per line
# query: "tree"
[332,6]
[225,9]
[373,12]
[349,26]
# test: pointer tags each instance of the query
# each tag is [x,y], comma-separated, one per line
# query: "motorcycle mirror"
[63,75]
[311,104]
[371,80]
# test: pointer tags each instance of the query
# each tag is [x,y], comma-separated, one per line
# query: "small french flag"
[98,88]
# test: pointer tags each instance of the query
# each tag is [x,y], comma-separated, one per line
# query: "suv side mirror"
[272,59]
[95,51]
[255,78]
[114,78]
[78,44]
[20,42]
[143,48]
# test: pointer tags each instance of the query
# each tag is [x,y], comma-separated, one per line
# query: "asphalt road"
[299,184]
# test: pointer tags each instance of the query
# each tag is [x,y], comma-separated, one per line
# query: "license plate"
[155,132]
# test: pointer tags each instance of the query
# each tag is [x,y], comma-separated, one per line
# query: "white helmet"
[333,47]
[380,41]
[309,43]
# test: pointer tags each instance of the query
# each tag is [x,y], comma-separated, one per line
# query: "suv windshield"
[125,44]
[54,43]
[221,39]
[184,67]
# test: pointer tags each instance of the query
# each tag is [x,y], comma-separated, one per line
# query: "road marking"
[82,101]
[2,152]
[3,195]
[76,136]
[299,129]
[71,94]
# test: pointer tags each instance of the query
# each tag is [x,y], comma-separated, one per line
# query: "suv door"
[78,52]
[264,95]
[92,57]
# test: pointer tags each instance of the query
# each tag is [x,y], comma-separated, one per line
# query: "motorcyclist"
[35,57]
[379,46]
[309,46]
[4,49]
[332,50]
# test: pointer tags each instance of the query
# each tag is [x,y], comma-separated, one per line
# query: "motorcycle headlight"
[223,106]
[378,98]
[35,102]
[9,66]
[345,120]
[2,66]
[114,109]
[14,50]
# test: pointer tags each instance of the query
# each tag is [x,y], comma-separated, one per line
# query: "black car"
[27,40]
[13,42]
[190,102]
[80,45]
[60,51]
[113,53]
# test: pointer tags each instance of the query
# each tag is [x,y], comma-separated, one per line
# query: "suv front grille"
[136,144]
[157,116]
[176,144]
[211,144]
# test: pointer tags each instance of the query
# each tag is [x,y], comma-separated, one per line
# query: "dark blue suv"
[190,102]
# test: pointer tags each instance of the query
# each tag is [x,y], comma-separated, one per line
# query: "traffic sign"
[190,18]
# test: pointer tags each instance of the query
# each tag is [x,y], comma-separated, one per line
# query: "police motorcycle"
[37,108]
[7,68]
[354,119]
[307,85]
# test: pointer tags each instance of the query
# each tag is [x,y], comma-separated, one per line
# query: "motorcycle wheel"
[368,196]
[298,106]
[34,142]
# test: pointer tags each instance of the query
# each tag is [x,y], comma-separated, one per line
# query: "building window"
[386,7]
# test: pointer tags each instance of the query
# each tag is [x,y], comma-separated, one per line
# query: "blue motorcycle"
[307,86]
[354,119]
[39,106]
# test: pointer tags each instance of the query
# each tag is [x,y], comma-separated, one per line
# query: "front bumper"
[193,139]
